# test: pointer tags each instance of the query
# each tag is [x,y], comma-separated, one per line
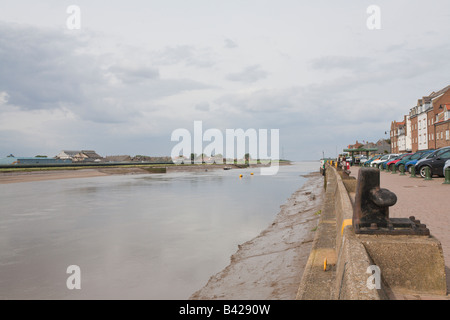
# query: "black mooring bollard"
[371,209]
[371,202]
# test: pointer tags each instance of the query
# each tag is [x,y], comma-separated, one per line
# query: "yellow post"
[346,222]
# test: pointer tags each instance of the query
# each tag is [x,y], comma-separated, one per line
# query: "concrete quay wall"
[342,264]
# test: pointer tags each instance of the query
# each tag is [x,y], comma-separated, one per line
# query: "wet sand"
[28,176]
[270,266]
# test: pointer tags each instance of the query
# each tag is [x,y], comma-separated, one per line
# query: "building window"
[447,135]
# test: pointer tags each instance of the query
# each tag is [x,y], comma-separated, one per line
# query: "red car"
[393,162]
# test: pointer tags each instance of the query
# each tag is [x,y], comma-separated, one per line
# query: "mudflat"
[270,266]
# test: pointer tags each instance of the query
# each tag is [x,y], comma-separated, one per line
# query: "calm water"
[134,237]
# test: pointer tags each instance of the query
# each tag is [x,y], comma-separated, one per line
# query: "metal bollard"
[427,174]
[413,172]
[447,176]
[402,170]
[371,209]
[394,169]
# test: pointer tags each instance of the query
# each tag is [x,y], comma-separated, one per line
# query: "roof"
[71,152]
[438,93]
[360,149]
[118,158]
[90,154]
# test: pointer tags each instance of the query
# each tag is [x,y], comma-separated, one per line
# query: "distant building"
[442,126]
[400,136]
[428,124]
[32,160]
[357,145]
[87,156]
[67,154]
[124,158]
[383,146]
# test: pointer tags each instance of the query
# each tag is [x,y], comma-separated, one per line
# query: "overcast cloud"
[137,70]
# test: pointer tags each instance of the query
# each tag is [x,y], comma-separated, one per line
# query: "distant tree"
[40,156]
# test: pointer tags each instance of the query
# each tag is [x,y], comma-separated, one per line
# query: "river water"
[157,236]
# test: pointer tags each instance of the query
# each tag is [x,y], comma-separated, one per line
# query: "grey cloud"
[249,74]
[230,44]
[185,54]
[44,69]
[204,106]
[41,68]
[134,74]
[341,62]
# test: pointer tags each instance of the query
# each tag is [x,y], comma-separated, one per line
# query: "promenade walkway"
[428,201]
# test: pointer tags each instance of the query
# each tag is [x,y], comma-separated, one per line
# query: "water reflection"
[134,237]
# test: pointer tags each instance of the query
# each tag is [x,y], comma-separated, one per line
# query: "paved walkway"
[428,201]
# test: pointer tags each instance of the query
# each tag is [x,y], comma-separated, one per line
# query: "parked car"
[411,163]
[383,163]
[435,162]
[410,157]
[369,162]
[386,157]
[391,163]
[446,165]
[363,159]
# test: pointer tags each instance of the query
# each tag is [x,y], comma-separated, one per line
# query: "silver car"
[446,165]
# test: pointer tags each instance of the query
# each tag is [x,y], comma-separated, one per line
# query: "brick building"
[429,122]
[398,136]
[414,133]
[357,145]
[442,127]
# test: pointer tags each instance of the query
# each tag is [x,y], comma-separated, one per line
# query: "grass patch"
[143,166]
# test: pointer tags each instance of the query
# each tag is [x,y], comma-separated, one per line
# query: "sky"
[135,71]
